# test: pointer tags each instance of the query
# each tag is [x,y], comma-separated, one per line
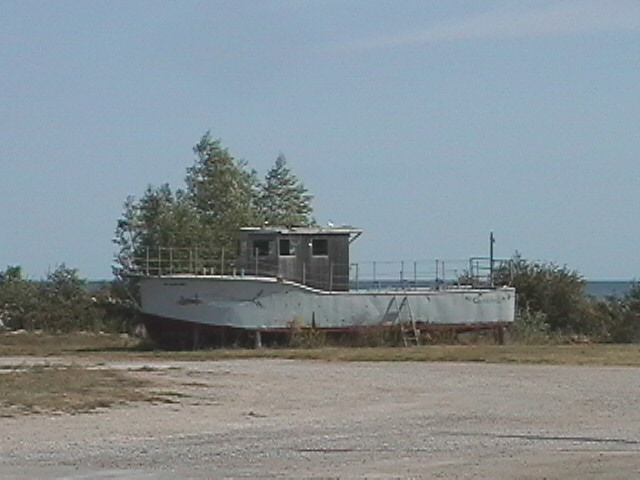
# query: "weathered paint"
[272,304]
[328,271]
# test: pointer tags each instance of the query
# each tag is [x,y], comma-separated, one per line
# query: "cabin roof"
[343,230]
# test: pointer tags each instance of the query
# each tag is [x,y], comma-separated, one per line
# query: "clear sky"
[426,123]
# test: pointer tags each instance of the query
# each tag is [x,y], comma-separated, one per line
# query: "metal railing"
[408,274]
[370,275]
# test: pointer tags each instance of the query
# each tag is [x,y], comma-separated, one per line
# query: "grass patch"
[592,354]
[44,344]
[110,347]
[68,389]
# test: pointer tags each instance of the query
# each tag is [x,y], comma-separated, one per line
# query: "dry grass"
[68,389]
[114,346]
[592,354]
[41,344]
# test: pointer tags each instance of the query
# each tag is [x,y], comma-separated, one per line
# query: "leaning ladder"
[408,329]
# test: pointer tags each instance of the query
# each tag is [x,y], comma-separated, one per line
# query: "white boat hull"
[268,304]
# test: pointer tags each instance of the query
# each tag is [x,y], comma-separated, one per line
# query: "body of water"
[608,288]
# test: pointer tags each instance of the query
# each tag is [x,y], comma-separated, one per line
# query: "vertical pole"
[147,267]
[190,269]
[471,274]
[170,260]
[492,240]
[415,274]
[444,275]
[222,263]
[374,274]
[256,255]
[304,273]
[257,340]
[437,273]
[331,277]
[510,272]
[159,261]
[357,277]
[402,274]
[195,260]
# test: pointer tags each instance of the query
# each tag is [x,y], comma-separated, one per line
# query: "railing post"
[444,275]
[256,272]
[147,266]
[471,275]
[374,274]
[331,276]
[492,240]
[159,261]
[357,277]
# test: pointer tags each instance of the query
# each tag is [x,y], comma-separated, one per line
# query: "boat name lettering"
[481,299]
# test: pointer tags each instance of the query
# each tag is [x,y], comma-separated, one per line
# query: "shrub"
[624,317]
[62,303]
[531,327]
[555,291]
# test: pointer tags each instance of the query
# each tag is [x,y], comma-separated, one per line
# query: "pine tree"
[222,190]
[284,200]
[222,195]
[159,219]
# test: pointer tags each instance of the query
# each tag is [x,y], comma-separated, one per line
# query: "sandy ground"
[304,419]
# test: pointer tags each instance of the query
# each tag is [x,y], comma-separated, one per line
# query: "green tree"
[65,304]
[222,195]
[159,219]
[223,191]
[18,300]
[284,199]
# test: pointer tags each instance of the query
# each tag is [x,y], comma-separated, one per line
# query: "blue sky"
[426,123]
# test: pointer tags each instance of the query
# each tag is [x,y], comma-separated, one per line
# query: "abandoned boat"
[284,278]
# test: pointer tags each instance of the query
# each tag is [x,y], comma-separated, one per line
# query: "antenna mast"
[492,240]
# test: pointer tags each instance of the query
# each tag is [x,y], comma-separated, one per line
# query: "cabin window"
[261,248]
[319,246]
[287,248]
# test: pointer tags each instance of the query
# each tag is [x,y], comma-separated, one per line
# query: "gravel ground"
[303,419]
